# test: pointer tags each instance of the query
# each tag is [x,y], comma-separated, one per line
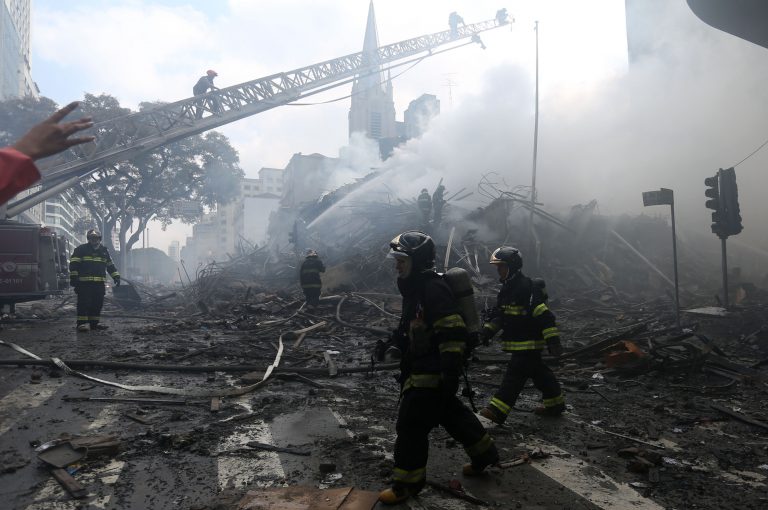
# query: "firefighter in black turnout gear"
[432,337]
[527,325]
[309,277]
[87,267]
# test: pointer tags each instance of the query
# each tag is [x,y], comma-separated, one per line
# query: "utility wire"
[751,154]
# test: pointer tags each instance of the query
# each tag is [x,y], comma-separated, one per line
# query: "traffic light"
[729,198]
[715,203]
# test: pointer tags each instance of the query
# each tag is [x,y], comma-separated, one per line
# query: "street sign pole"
[674,257]
[667,197]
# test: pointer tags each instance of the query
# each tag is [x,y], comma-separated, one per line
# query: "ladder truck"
[33,260]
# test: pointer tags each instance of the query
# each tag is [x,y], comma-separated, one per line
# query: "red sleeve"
[17,173]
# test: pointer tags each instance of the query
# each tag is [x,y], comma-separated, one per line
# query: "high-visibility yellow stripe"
[552,402]
[310,270]
[549,333]
[452,346]
[409,476]
[114,274]
[492,327]
[514,310]
[527,345]
[82,317]
[75,259]
[93,278]
[449,321]
[540,309]
[500,405]
[73,273]
[422,381]
[480,447]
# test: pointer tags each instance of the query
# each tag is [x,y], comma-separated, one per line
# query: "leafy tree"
[201,169]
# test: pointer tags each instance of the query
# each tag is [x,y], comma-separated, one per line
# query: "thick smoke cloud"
[695,105]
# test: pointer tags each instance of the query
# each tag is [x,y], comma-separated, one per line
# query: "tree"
[18,115]
[200,169]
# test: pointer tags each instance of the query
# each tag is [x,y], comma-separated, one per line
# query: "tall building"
[238,225]
[15,70]
[62,213]
[373,109]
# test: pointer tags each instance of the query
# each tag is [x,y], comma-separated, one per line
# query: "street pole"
[674,257]
[725,273]
[666,196]
[535,148]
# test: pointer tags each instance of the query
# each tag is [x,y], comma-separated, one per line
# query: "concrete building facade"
[15,69]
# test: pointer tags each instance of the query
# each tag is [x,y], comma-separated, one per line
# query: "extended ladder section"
[125,137]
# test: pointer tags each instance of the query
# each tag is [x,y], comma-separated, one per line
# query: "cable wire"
[751,154]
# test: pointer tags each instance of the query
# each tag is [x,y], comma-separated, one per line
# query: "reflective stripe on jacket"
[522,315]
[88,265]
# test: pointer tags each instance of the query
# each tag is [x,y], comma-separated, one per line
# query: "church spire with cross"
[373,109]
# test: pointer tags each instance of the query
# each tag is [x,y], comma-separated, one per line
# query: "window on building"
[375,126]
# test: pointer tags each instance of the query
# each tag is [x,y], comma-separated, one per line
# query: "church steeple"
[370,52]
[372,111]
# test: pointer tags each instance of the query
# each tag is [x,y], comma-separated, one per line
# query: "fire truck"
[33,260]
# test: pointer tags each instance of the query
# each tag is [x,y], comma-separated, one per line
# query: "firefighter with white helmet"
[88,266]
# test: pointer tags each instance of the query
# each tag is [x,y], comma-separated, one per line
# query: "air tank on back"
[461,285]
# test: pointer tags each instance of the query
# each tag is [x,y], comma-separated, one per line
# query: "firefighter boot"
[488,458]
[398,493]
[487,412]
[99,326]
[82,328]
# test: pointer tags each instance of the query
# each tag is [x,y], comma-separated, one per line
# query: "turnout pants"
[90,299]
[312,294]
[522,366]
[421,410]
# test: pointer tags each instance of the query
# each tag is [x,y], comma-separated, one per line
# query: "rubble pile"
[674,411]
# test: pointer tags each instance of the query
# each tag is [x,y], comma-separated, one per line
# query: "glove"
[554,347]
[117,281]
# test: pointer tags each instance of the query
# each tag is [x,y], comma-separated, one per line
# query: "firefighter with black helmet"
[87,267]
[527,325]
[432,337]
[424,202]
[309,277]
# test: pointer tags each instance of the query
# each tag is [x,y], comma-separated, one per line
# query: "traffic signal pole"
[724,265]
[723,194]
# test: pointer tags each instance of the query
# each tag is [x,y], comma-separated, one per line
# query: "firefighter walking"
[309,277]
[432,337]
[527,325]
[87,268]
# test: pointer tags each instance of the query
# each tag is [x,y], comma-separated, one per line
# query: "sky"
[607,131]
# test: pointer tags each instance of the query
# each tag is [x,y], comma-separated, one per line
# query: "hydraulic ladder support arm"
[122,138]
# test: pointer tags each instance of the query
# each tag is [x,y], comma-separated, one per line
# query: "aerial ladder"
[125,137]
